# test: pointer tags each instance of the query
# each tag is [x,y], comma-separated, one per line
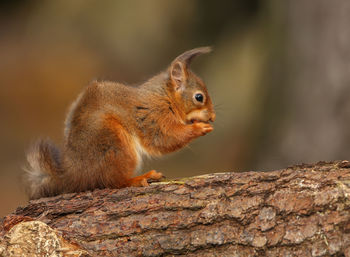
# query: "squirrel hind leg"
[142,180]
[122,164]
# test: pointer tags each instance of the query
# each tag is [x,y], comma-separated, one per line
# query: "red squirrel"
[111,126]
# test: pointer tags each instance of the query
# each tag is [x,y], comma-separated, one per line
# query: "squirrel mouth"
[202,115]
[198,116]
[198,120]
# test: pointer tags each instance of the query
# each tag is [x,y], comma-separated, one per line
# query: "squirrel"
[110,127]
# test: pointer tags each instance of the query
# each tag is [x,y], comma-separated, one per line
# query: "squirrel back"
[111,127]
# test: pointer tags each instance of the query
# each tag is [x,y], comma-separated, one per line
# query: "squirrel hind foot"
[154,175]
[142,181]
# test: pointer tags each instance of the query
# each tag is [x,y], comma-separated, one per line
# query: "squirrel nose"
[212,117]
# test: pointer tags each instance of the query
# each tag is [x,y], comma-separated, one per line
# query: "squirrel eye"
[199,97]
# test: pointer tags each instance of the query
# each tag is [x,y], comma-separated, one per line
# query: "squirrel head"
[190,92]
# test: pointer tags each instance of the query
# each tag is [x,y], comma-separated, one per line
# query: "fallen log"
[298,211]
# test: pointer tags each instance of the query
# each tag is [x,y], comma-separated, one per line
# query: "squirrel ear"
[178,74]
[178,68]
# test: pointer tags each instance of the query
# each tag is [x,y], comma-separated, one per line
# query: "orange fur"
[111,126]
[124,163]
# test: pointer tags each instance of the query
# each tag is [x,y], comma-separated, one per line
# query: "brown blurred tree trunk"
[309,106]
[298,211]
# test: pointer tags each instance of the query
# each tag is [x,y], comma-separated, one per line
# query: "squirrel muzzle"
[201,115]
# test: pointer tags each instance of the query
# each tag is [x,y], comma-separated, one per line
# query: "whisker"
[218,105]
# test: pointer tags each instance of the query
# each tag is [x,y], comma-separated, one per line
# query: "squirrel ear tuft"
[187,57]
[178,68]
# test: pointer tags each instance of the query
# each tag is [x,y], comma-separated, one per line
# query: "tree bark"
[298,211]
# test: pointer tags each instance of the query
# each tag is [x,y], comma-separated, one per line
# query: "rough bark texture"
[298,211]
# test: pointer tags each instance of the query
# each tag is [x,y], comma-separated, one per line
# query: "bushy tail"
[44,170]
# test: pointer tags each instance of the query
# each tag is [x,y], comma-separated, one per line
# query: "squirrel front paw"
[201,128]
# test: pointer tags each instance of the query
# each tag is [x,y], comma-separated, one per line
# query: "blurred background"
[279,76]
